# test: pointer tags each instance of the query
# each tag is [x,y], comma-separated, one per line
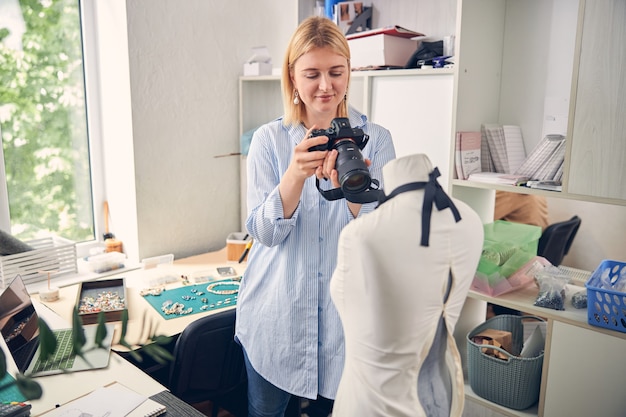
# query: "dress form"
[399,301]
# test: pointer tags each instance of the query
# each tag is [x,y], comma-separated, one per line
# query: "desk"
[59,389]
[138,308]
[62,388]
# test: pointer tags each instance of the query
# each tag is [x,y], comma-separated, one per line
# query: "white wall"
[602,233]
[167,192]
[170,89]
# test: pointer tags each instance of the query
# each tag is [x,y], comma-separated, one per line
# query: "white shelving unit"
[516,59]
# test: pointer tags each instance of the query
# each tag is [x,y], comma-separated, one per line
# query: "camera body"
[353,173]
[339,129]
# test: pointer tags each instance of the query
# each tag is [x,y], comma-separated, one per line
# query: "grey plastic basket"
[513,383]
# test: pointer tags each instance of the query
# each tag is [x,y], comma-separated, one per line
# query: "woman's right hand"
[305,162]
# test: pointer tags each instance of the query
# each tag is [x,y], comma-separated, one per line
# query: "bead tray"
[108,295]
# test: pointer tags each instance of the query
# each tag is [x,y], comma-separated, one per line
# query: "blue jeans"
[264,399]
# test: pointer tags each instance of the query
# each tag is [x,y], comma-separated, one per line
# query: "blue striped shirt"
[286,320]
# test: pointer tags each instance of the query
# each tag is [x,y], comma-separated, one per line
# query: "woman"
[286,322]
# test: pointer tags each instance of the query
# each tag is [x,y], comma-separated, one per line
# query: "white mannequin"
[401,356]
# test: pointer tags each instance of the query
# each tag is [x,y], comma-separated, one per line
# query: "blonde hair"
[314,32]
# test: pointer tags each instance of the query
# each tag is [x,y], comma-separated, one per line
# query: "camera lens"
[354,176]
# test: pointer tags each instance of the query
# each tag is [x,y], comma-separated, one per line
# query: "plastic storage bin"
[606,306]
[507,247]
[104,262]
[520,279]
[53,254]
[512,383]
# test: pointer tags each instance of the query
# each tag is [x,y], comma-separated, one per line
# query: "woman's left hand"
[327,170]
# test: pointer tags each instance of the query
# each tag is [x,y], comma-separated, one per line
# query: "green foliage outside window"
[43,124]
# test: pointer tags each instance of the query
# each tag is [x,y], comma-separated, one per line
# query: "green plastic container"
[507,247]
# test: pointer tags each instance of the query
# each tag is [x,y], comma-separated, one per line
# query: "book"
[545,161]
[545,185]
[346,13]
[457,157]
[148,408]
[470,153]
[502,148]
[486,162]
[393,30]
[497,147]
[515,151]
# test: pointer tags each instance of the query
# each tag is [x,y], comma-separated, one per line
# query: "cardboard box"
[381,50]
[257,68]
[107,295]
[503,338]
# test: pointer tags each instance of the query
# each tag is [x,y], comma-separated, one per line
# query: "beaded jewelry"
[151,291]
[175,308]
[211,287]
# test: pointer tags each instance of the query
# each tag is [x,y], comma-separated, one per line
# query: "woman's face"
[321,78]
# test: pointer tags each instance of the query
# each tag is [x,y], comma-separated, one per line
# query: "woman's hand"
[327,169]
[306,163]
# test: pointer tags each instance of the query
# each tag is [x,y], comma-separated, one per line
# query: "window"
[44,159]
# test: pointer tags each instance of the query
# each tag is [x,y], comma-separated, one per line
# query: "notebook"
[112,400]
[18,323]
[148,408]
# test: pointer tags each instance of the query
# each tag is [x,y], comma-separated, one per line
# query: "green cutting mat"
[10,393]
[195,297]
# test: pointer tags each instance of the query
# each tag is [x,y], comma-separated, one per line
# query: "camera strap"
[433,194]
[368,196]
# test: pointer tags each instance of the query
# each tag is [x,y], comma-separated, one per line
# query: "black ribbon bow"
[433,193]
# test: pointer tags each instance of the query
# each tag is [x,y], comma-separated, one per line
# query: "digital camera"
[354,176]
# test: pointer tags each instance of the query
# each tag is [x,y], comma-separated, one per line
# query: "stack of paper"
[498,178]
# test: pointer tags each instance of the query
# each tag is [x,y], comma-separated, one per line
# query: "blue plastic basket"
[607,307]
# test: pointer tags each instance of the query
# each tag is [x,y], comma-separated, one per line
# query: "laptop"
[18,324]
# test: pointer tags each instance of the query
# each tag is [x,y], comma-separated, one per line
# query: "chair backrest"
[208,363]
[556,240]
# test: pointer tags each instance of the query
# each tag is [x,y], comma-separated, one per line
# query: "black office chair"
[209,366]
[556,240]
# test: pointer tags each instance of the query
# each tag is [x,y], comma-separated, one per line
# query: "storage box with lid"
[381,50]
[507,247]
[606,296]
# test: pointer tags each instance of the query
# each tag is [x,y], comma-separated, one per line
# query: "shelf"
[359,74]
[398,72]
[524,298]
[471,396]
[545,193]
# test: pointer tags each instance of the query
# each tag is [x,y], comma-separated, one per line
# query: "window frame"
[88,23]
